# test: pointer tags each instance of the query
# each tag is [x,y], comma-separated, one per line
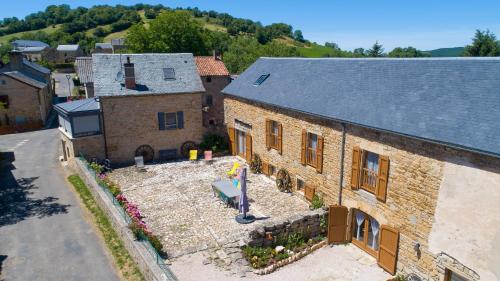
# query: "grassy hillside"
[447,52]
[6,38]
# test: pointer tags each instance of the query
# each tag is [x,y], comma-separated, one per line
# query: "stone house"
[103,48]
[83,68]
[19,45]
[25,94]
[404,151]
[215,77]
[68,53]
[147,104]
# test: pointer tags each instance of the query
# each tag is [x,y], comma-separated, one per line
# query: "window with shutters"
[171,121]
[241,145]
[312,147]
[273,134]
[365,232]
[369,170]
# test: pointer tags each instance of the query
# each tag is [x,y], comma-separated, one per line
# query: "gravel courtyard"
[178,204]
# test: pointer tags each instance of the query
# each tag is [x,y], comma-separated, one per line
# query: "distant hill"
[447,52]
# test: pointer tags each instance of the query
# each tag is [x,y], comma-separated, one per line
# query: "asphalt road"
[43,232]
[61,87]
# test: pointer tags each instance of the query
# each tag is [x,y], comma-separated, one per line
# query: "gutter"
[103,128]
[342,156]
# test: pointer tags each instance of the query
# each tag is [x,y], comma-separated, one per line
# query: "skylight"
[261,79]
[168,73]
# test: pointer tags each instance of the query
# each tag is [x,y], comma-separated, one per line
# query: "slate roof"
[28,43]
[148,72]
[33,49]
[118,41]
[68,48]
[36,66]
[103,45]
[83,66]
[208,66]
[78,107]
[22,77]
[453,101]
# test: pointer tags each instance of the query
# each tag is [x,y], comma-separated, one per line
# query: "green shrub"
[281,256]
[137,230]
[317,202]
[156,243]
[256,164]
[96,167]
[214,142]
[257,256]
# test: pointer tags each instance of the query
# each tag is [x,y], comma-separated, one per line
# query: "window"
[168,73]
[365,232]
[274,133]
[209,100]
[208,79]
[241,143]
[300,184]
[369,171]
[272,170]
[452,276]
[312,145]
[3,82]
[170,121]
[261,79]
[4,101]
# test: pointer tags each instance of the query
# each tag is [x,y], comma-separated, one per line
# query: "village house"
[103,48]
[145,105]
[19,45]
[68,53]
[34,51]
[404,151]
[118,45]
[215,77]
[83,68]
[24,93]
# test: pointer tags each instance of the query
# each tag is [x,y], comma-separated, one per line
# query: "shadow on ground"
[15,202]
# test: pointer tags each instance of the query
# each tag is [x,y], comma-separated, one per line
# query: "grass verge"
[126,264]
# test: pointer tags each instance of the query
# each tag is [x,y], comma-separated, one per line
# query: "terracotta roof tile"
[208,66]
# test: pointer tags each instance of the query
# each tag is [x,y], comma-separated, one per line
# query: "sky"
[422,24]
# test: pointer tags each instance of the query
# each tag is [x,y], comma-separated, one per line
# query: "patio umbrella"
[243,205]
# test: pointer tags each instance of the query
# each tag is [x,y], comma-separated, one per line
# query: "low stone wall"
[307,224]
[147,264]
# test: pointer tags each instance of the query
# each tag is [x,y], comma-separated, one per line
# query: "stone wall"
[132,121]
[415,174]
[213,86]
[308,224]
[90,147]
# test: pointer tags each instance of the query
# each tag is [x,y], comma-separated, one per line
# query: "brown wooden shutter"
[265,168]
[337,224]
[303,148]
[383,176]
[309,192]
[232,142]
[388,250]
[319,155]
[249,148]
[356,167]
[280,138]
[268,134]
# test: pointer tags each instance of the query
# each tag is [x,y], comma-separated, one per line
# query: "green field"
[7,38]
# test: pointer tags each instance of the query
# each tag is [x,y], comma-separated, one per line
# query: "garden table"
[227,188]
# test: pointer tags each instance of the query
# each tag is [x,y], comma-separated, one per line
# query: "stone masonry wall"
[216,110]
[132,121]
[415,174]
[91,146]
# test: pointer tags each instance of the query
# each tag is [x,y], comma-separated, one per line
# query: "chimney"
[129,74]
[16,60]
[217,55]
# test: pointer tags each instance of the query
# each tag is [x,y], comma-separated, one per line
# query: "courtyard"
[178,203]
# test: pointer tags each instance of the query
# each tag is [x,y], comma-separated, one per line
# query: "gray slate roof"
[28,43]
[20,76]
[148,73]
[78,107]
[83,66]
[68,48]
[454,101]
[36,66]
[103,45]
[33,49]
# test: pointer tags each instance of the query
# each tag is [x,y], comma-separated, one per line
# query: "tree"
[359,52]
[170,32]
[376,51]
[4,52]
[297,35]
[408,52]
[332,45]
[484,44]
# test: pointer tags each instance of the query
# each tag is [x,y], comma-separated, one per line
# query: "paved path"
[43,233]
[62,84]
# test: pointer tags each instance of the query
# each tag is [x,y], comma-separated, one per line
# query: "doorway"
[241,145]
[365,232]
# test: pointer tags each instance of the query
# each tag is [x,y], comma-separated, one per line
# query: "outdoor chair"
[193,155]
[208,157]
[139,163]
[232,172]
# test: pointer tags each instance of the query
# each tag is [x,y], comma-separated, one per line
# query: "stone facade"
[415,174]
[132,121]
[213,114]
[27,104]
[91,146]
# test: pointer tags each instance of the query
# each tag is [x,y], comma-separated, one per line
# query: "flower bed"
[137,225]
[285,250]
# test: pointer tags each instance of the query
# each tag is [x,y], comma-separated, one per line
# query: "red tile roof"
[208,66]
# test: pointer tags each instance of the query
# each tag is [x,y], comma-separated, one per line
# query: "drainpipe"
[103,129]
[342,156]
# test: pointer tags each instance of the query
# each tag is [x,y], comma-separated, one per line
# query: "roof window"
[261,79]
[168,73]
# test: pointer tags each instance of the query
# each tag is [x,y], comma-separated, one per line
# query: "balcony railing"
[369,180]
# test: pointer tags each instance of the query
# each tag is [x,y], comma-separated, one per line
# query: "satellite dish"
[119,76]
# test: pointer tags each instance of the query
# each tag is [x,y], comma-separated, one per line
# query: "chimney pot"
[129,75]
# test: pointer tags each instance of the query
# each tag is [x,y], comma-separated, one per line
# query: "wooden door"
[388,252]
[337,224]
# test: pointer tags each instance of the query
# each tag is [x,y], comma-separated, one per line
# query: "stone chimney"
[217,55]
[16,60]
[129,74]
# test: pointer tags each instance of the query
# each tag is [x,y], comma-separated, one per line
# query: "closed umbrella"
[243,205]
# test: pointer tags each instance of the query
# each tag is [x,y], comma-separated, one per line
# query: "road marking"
[18,145]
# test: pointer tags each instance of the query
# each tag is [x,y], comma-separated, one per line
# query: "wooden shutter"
[161,121]
[280,138]
[356,167]
[388,250]
[337,224]
[303,147]
[265,168]
[309,192]
[319,155]
[180,120]
[248,151]
[383,177]
[268,134]
[232,142]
